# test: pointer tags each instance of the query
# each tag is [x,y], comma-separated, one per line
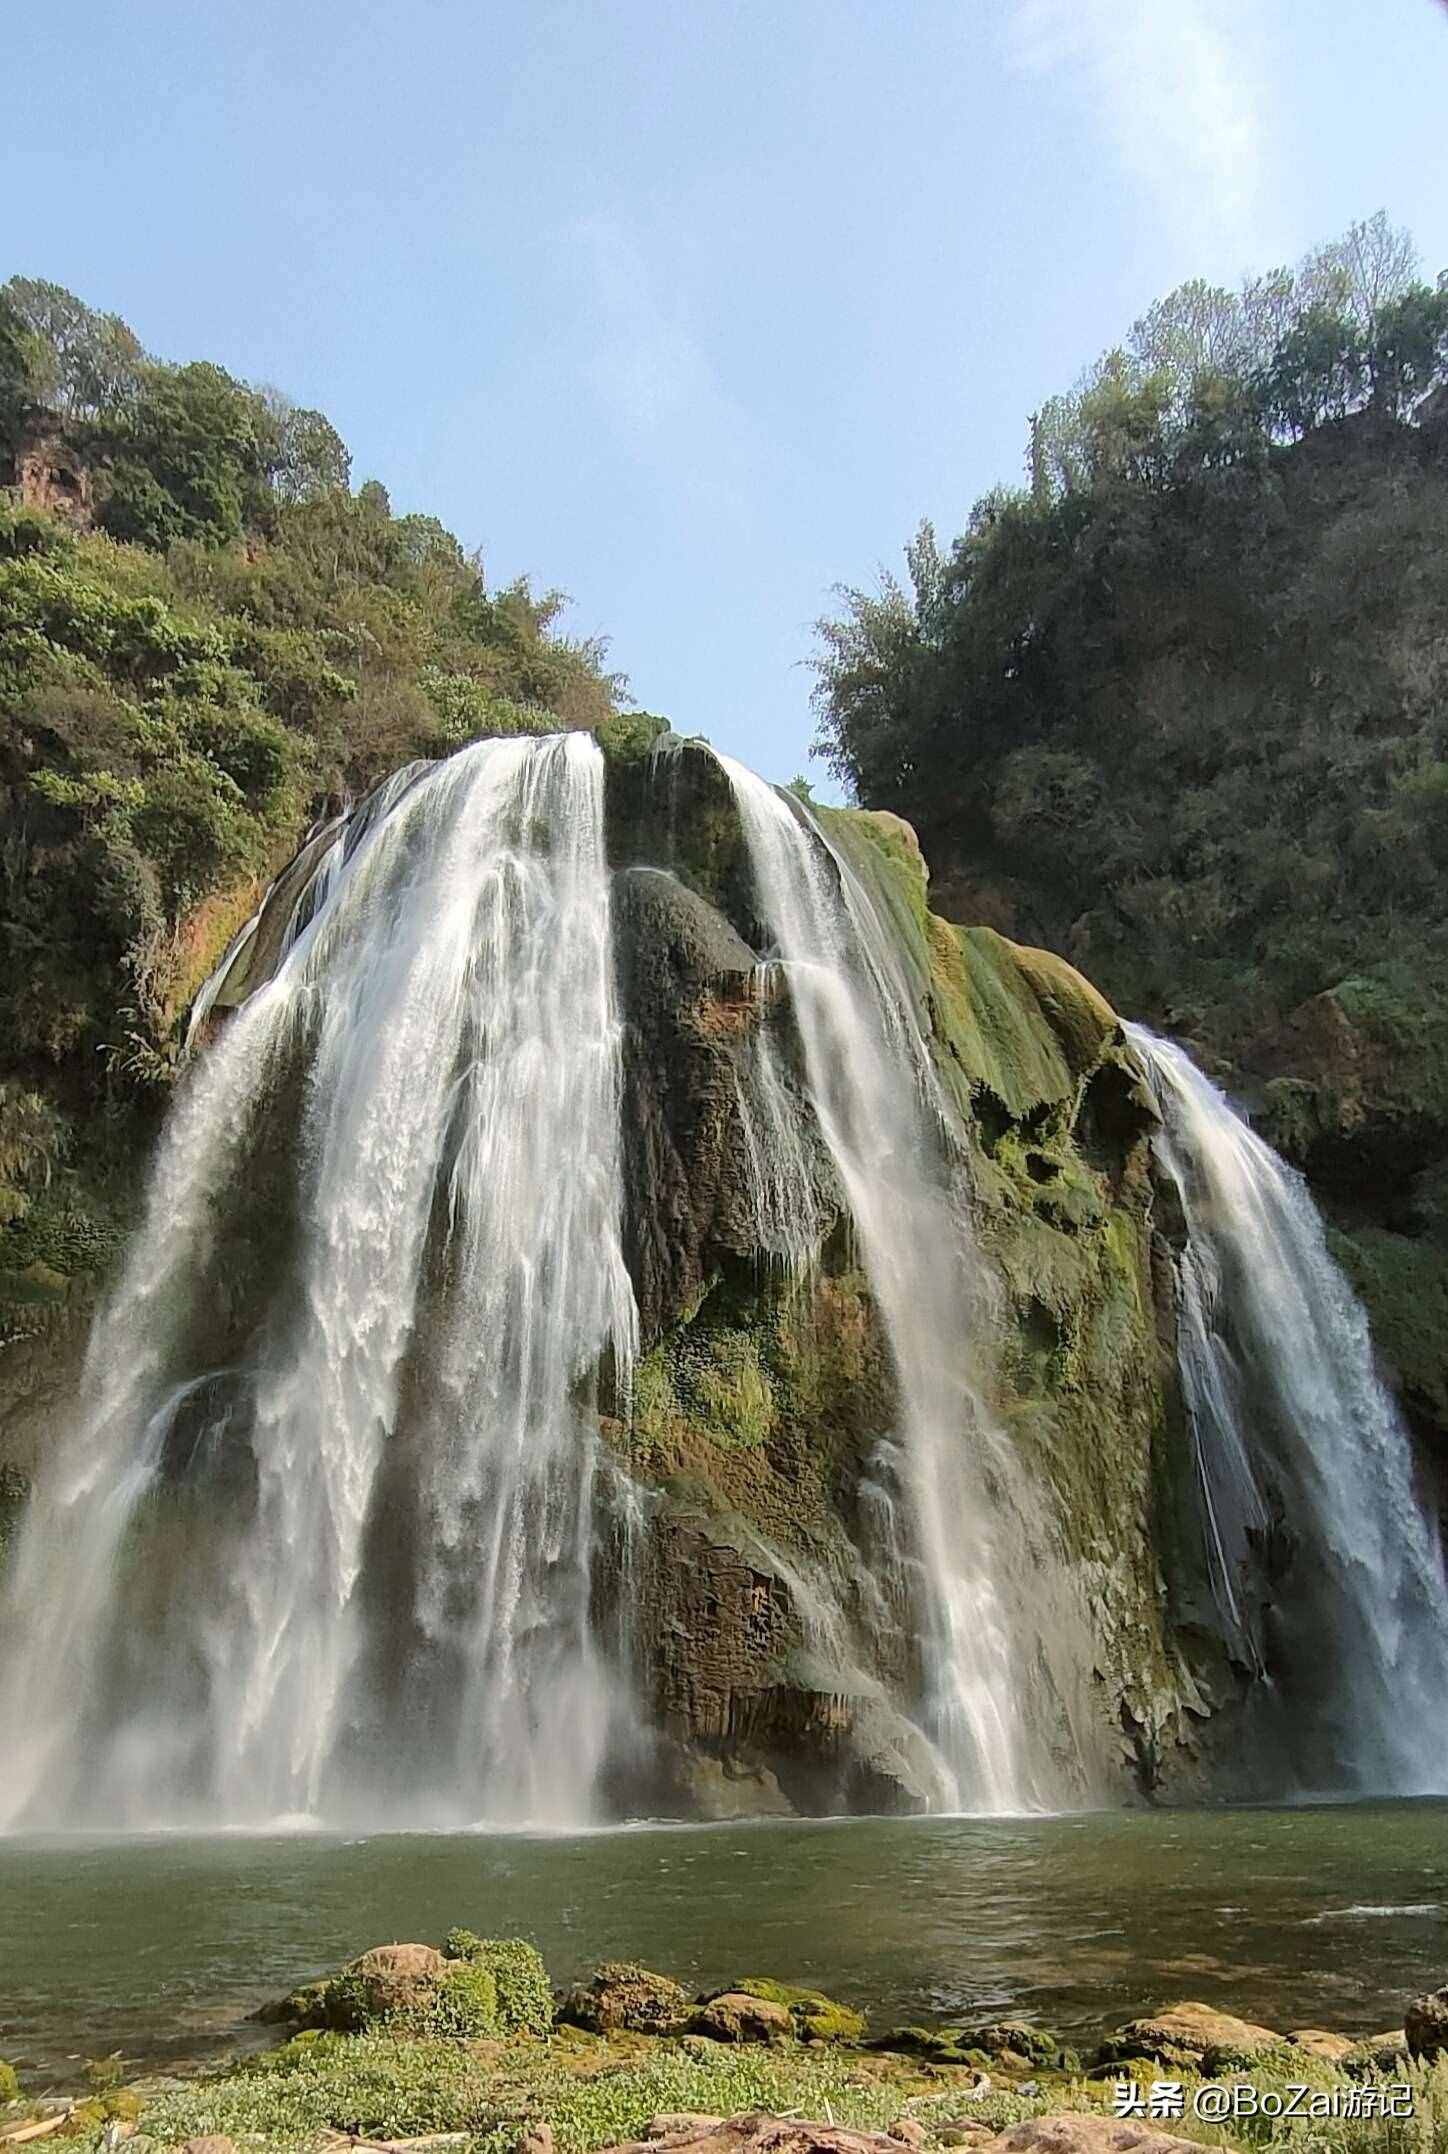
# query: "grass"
[595,2091]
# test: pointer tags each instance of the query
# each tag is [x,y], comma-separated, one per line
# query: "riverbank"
[467,2048]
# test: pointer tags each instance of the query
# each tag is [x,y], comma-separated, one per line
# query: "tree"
[191,459]
[91,365]
[305,455]
[20,364]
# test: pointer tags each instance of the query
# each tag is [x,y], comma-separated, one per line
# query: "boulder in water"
[624,1997]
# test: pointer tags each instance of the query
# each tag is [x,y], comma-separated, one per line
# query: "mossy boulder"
[735,2016]
[622,1996]
[1016,2040]
[477,1987]
[520,1979]
[937,2045]
[816,2018]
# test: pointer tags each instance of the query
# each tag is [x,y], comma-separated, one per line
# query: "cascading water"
[390,1613]
[1304,1467]
[868,1077]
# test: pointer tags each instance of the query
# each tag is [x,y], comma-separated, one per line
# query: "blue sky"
[696,309]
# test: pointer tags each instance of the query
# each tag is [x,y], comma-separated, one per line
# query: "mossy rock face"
[816,2018]
[622,1996]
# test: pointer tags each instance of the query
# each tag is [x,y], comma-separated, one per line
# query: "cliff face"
[773,1659]
[759,1401]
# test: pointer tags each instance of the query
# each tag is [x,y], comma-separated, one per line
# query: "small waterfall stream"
[868,1075]
[1326,1571]
[393,1614]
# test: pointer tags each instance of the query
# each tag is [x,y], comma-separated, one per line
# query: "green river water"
[1330,1916]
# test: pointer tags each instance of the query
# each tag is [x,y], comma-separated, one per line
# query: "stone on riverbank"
[1319,2042]
[815,2017]
[1425,2025]
[623,1997]
[735,2016]
[1189,2037]
[477,1987]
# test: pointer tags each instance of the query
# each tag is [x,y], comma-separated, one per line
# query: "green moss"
[9,2082]
[1404,1287]
[513,1969]
[817,2018]
[733,1394]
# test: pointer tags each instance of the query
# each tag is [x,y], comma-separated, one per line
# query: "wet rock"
[1189,2037]
[735,2016]
[1425,2025]
[622,1996]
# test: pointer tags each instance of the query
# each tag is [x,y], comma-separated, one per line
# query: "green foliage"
[84,362]
[239,642]
[514,1970]
[9,2083]
[1183,701]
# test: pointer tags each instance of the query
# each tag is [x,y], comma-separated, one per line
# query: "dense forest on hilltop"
[207,636]
[1178,707]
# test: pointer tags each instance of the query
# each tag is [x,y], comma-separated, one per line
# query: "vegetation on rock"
[207,640]
[1176,706]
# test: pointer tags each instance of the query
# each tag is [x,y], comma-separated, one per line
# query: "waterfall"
[1327,1574]
[383,1606]
[870,1086]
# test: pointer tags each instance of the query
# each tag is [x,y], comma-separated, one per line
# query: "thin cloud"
[1177,95]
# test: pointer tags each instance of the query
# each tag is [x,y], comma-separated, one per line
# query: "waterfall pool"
[1328,1916]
